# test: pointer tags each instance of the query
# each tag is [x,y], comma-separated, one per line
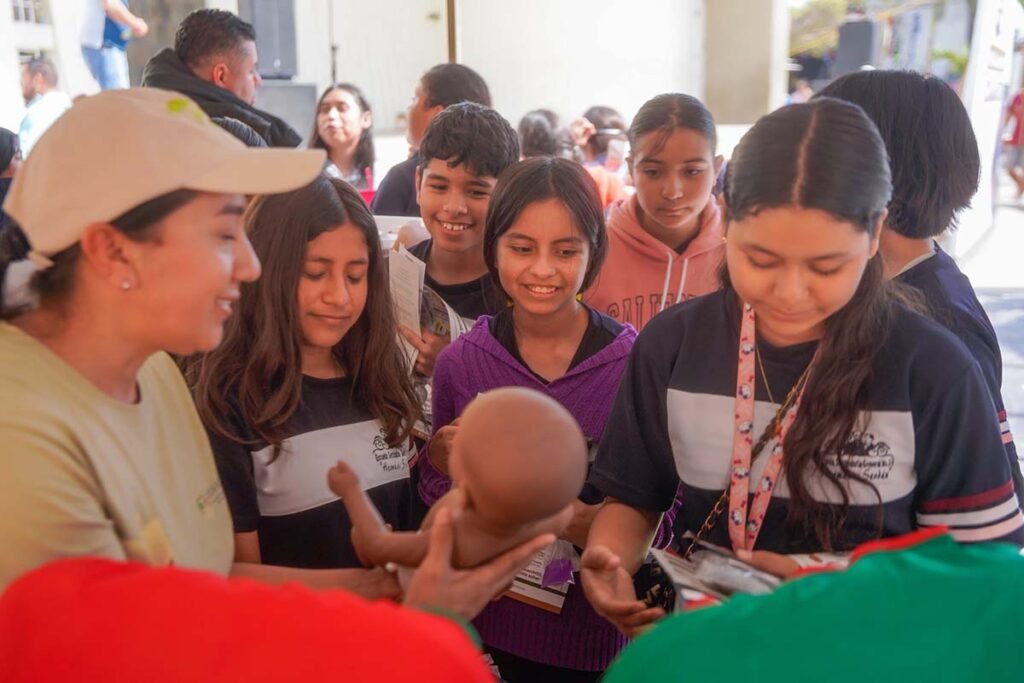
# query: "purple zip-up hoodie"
[577,638]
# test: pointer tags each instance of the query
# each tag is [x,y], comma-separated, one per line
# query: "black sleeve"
[234,465]
[396,194]
[634,461]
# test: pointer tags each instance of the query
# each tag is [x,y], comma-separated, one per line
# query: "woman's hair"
[824,155]
[54,284]
[933,154]
[259,362]
[665,113]
[604,119]
[535,180]
[539,135]
[365,154]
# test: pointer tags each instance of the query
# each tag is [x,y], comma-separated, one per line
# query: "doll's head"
[518,456]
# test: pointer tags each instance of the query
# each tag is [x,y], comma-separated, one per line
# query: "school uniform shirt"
[931,446]
[486,358]
[82,473]
[952,302]
[469,299]
[285,497]
[641,276]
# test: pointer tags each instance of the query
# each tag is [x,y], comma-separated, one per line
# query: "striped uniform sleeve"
[964,480]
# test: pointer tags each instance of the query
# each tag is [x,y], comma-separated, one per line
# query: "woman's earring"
[126,285]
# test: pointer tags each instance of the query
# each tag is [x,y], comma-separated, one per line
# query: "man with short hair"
[214,63]
[439,88]
[44,103]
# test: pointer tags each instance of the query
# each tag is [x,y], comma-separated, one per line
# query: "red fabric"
[98,620]
[903,542]
[977,500]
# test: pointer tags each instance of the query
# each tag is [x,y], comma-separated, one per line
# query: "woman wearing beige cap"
[103,453]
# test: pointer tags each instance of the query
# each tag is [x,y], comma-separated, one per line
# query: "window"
[30,11]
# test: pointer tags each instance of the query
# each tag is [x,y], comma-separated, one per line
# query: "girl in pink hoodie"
[664,243]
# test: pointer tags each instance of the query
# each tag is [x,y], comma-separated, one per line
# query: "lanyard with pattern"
[744,525]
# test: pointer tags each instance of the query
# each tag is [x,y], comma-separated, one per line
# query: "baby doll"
[518,462]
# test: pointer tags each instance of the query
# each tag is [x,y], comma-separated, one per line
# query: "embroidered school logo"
[866,456]
[390,459]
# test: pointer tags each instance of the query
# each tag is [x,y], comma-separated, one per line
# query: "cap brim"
[261,171]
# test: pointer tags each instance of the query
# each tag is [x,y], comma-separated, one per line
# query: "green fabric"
[935,612]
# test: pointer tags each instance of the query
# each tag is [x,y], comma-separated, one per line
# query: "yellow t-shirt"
[84,474]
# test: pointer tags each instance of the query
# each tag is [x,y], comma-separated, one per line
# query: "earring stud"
[126,285]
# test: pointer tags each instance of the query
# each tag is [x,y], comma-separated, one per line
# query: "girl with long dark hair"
[309,372]
[804,408]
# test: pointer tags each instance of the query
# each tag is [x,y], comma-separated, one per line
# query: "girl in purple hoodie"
[664,243]
[544,242]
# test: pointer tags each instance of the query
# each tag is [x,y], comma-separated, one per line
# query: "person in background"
[802,92]
[665,242]
[1013,146]
[466,148]
[106,30]
[213,62]
[344,127]
[933,154]
[594,134]
[539,135]
[44,103]
[440,87]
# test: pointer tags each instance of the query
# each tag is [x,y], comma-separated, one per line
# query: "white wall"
[567,55]
[746,59]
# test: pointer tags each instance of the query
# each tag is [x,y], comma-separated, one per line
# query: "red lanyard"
[744,525]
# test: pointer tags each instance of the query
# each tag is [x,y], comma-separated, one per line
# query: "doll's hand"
[428,345]
[439,450]
[609,588]
[341,479]
[464,591]
[780,565]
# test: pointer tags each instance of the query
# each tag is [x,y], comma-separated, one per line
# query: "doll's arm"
[373,541]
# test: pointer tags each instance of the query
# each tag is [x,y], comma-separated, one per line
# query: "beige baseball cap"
[120,148]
